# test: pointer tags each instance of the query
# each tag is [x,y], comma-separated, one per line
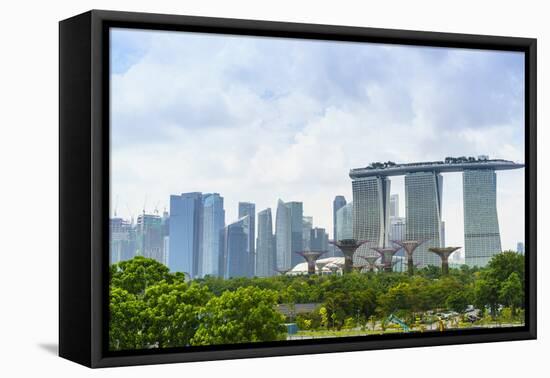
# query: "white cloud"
[258,119]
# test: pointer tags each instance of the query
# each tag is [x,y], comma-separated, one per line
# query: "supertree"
[348,248]
[333,268]
[370,262]
[358,267]
[409,246]
[311,257]
[444,254]
[282,272]
[320,265]
[387,256]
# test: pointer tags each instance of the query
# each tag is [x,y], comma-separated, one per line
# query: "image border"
[102,21]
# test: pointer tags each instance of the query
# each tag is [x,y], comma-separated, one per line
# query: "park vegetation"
[153,308]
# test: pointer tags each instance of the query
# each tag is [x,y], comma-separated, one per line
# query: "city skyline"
[312,115]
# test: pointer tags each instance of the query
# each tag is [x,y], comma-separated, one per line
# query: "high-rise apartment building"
[481,230]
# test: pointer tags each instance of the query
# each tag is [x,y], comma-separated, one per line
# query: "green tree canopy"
[137,274]
[245,315]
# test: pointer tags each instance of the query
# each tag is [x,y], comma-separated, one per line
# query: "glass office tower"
[247,208]
[235,248]
[344,222]
[283,236]
[265,246]
[213,222]
[185,233]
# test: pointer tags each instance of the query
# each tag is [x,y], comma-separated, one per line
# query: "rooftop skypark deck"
[450,164]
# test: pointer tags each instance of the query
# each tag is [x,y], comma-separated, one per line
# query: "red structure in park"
[348,248]
[444,254]
[311,257]
[387,256]
[409,246]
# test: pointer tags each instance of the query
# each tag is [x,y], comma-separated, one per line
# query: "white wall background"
[29,185]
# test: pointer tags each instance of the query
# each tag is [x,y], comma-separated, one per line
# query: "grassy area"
[320,333]
[345,332]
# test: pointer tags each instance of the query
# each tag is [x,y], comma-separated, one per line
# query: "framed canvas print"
[235,188]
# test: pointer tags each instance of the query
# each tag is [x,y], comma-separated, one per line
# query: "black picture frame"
[84,185]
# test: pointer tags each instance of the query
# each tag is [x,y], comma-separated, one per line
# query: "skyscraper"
[265,247]
[213,222]
[235,248]
[520,248]
[150,242]
[185,233]
[319,239]
[247,208]
[344,222]
[394,205]
[165,236]
[423,192]
[283,236]
[307,225]
[397,228]
[371,197]
[296,229]
[337,204]
[481,230]
[122,241]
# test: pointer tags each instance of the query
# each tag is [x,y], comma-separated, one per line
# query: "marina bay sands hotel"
[423,199]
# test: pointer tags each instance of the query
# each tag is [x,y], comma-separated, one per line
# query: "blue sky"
[257,119]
